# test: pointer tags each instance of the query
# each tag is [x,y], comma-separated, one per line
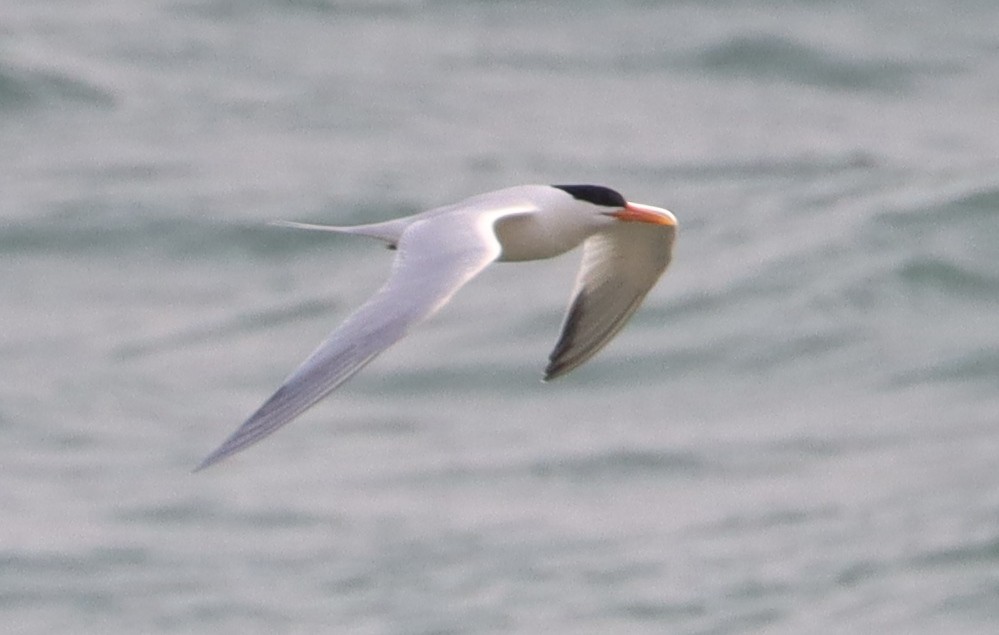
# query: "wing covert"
[436,257]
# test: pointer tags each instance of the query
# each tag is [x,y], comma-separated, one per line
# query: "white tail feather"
[323,228]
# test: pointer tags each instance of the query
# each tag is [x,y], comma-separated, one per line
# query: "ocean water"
[797,433]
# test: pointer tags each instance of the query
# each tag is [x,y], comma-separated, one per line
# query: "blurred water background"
[796,434]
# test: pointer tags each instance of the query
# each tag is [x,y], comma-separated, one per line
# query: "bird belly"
[525,237]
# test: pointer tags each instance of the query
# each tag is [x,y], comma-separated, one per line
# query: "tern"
[626,248]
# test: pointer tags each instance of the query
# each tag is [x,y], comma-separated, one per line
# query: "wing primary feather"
[619,268]
[556,361]
[435,258]
[333,363]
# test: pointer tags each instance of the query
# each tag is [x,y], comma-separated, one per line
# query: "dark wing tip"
[559,361]
[553,371]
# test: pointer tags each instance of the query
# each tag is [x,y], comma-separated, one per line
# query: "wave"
[237,9]
[757,56]
[99,231]
[262,319]
[946,276]
[776,57]
[962,366]
[23,89]
[948,242]
[598,466]
[933,210]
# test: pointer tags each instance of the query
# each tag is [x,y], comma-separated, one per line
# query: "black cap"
[596,194]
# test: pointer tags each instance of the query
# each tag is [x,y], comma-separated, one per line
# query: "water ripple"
[946,277]
[771,56]
[22,89]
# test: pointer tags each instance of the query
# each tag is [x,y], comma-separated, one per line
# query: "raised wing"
[435,257]
[619,268]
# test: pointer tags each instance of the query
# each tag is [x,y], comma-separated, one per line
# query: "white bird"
[627,246]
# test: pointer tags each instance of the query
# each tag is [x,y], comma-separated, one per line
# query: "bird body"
[627,246]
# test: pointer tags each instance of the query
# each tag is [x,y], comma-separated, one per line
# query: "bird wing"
[435,257]
[619,268]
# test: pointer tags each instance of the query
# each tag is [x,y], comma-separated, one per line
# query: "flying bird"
[626,248]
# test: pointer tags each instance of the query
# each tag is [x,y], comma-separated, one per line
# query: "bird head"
[610,203]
